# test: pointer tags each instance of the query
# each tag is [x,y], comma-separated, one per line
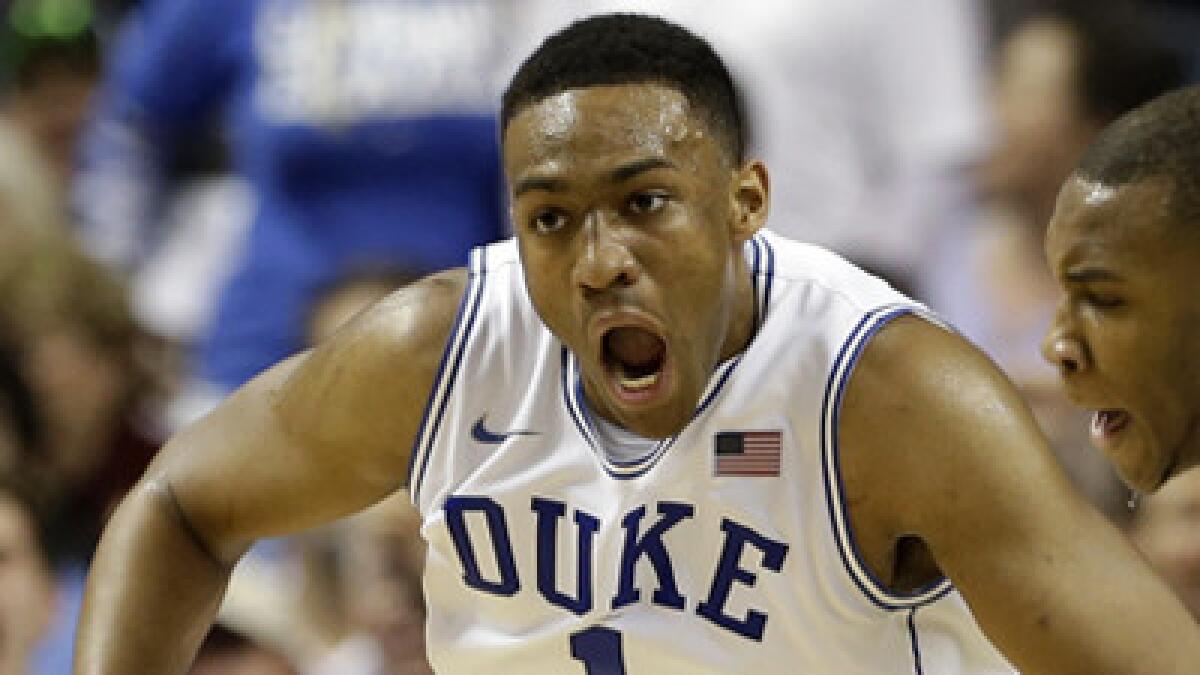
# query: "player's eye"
[647,202]
[548,221]
[1103,301]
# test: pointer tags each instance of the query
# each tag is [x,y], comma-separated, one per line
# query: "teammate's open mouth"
[636,360]
[1108,423]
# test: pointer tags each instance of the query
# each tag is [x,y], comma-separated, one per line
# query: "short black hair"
[613,49]
[1161,139]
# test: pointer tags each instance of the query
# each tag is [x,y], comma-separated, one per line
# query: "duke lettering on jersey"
[734,566]
[652,545]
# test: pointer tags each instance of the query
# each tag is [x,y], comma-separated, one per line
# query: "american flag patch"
[746,453]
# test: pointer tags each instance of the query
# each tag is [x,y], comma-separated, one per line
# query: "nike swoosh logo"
[480,433]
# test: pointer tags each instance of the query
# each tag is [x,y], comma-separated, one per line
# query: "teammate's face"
[1124,336]
[631,220]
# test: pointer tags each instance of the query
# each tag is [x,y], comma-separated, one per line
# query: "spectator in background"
[70,326]
[1062,71]
[75,349]
[30,209]
[53,77]
[78,352]
[376,577]
[363,127]
[26,587]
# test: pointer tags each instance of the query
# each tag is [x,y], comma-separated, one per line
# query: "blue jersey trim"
[762,256]
[770,277]
[572,395]
[839,516]
[916,643]
[439,397]
[756,265]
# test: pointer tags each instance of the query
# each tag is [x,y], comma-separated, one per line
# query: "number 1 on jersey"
[600,650]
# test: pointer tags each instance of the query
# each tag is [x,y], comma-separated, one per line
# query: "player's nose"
[604,260]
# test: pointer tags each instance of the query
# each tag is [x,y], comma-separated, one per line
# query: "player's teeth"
[642,382]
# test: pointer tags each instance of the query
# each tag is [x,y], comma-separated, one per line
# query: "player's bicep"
[956,427]
[965,468]
[320,435]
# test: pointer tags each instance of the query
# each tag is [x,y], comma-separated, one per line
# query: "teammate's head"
[1160,140]
[1124,243]
[631,204]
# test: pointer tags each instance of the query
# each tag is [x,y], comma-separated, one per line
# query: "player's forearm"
[1088,605]
[152,592]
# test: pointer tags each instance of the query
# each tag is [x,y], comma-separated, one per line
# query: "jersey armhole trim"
[447,375]
[843,366]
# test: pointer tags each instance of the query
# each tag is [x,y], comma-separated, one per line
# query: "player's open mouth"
[1106,424]
[636,360]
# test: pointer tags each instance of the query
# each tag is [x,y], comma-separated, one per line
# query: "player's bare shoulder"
[320,435]
[367,385]
[943,404]
[416,319]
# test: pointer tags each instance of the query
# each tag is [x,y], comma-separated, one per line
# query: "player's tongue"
[637,355]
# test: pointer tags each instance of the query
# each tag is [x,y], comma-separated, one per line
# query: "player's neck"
[742,318]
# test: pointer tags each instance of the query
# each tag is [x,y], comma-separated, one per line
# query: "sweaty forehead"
[1091,214]
[604,123]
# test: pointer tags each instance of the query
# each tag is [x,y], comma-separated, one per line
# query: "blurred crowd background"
[191,190]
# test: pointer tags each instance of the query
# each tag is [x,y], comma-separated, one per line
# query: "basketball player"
[647,436]
[1124,244]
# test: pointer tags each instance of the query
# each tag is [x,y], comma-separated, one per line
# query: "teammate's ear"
[751,199]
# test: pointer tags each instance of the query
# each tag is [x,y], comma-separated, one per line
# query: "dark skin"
[1124,335]
[630,212]
[621,207]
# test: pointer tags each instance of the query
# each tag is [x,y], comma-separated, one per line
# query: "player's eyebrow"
[627,171]
[539,183]
[1083,275]
[617,175]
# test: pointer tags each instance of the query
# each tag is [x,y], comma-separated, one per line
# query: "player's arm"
[317,437]
[964,467]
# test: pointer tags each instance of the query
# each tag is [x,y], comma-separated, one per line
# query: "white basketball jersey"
[725,549]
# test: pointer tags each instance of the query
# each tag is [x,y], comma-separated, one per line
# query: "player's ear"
[750,192]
